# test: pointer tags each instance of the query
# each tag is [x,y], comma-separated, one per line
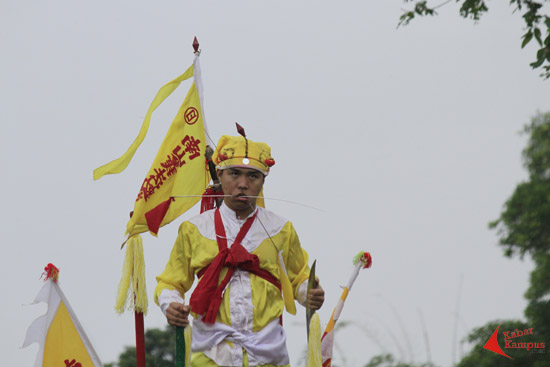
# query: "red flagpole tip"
[196,44]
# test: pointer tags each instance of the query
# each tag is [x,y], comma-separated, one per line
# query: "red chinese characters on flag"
[72,363]
[190,146]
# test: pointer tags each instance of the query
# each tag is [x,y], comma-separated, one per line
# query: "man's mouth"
[241,197]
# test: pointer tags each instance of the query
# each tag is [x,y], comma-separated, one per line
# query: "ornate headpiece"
[238,151]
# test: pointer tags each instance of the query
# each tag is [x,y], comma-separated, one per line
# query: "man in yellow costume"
[250,267]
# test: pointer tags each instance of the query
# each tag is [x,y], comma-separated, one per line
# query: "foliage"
[524,225]
[537,24]
[387,360]
[480,357]
[524,229]
[160,349]
[538,307]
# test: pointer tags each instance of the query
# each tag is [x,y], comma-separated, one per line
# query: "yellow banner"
[62,340]
[120,164]
[64,346]
[179,169]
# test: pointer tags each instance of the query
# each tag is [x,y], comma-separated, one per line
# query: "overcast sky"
[407,139]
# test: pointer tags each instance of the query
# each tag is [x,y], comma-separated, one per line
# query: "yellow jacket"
[249,303]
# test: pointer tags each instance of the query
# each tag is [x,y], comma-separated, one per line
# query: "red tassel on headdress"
[270,162]
[208,200]
[50,271]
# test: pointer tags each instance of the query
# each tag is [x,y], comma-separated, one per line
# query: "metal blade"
[310,285]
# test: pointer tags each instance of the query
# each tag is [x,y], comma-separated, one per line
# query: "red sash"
[207,297]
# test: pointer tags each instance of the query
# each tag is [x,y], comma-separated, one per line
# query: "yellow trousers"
[198,359]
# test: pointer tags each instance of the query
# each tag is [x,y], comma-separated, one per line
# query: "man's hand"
[177,314]
[316,297]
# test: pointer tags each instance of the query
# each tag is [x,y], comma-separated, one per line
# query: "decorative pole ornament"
[196,45]
[362,260]
[51,272]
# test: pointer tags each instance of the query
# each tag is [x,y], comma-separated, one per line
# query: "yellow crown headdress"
[239,151]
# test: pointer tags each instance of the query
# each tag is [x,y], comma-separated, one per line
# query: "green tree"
[537,24]
[160,349]
[524,224]
[524,229]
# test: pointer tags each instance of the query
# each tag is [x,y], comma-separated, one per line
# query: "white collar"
[230,214]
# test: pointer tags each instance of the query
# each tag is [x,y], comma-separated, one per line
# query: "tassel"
[365,259]
[51,271]
[314,342]
[132,283]
[208,200]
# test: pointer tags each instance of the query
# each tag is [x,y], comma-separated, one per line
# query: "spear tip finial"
[196,44]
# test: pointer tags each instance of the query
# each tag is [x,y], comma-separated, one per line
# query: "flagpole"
[180,331]
[180,347]
[140,339]
[137,268]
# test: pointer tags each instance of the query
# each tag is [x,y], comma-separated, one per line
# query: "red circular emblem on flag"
[191,115]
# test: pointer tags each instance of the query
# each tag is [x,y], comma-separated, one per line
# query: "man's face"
[240,183]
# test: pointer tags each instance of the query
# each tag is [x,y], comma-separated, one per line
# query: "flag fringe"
[132,283]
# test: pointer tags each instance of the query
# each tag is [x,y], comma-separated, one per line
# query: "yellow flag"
[179,169]
[120,164]
[62,339]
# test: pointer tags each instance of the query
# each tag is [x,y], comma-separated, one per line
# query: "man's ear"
[219,172]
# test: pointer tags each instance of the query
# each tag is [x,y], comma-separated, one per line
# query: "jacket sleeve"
[178,274]
[296,262]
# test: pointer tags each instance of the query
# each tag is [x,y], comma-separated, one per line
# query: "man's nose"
[242,182]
